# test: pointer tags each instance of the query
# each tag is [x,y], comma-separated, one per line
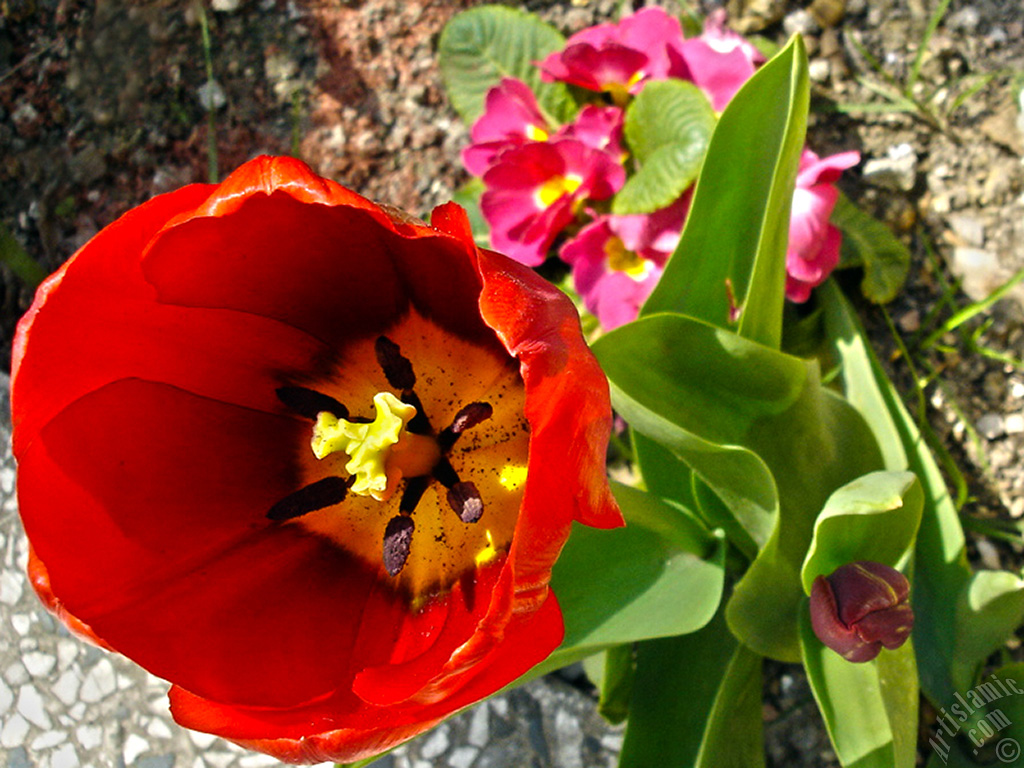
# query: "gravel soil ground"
[104,104]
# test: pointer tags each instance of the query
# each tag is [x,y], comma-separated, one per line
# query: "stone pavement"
[66,704]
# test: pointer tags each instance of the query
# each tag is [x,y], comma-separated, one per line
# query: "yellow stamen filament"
[380,453]
[488,553]
[555,187]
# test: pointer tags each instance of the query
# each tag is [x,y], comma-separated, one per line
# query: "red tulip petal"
[230,356]
[286,734]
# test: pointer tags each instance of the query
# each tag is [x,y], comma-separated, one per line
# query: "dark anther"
[397,540]
[308,402]
[419,424]
[467,417]
[445,473]
[397,368]
[465,499]
[322,493]
[414,490]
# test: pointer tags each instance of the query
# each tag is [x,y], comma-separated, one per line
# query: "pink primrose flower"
[619,58]
[511,118]
[617,260]
[534,191]
[719,60]
[598,127]
[813,242]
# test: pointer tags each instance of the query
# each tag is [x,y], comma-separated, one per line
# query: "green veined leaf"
[668,127]
[869,243]
[480,46]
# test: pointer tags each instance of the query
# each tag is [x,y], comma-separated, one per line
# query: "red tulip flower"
[860,608]
[307,458]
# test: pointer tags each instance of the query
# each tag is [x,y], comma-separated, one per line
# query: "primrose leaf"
[668,127]
[481,46]
[870,709]
[874,517]
[732,254]
[869,243]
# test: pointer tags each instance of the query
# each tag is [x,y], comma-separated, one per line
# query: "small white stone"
[500,707]
[30,706]
[66,687]
[134,746]
[89,736]
[257,760]
[12,584]
[67,651]
[6,698]
[211,95]
[64,757]
[39,664]
[48,739]
[463,757]
[77,711]
[16,674]
[124,682]
[158,729]
[7,480]
[99,682]
[435,744]
[1014,424]
[202,740]
[612,741]
[14,732]
[479,728]
[219,759]
[22,623]
[226,6]
[1017,389]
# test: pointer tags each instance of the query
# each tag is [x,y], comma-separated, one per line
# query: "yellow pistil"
[622,260]
[380,453]
[512,476]
[620,91]
[555,187]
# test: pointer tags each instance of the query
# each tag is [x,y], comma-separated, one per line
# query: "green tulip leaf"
[870,244]
[661,575]
[732,255]
[481,46]
[874,517]
[667,128]
[758,429]
[696,702]
[870,709]
[940,569]
[990,609]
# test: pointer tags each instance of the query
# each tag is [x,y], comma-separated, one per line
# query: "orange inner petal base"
[450,374]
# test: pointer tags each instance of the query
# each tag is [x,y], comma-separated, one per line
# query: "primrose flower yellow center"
[621,259]
[555,187]
[536,133]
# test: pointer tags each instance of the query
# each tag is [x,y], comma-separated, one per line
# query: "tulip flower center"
[555,187]
[427,487]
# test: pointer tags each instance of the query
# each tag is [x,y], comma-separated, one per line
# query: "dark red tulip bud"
[861,607]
